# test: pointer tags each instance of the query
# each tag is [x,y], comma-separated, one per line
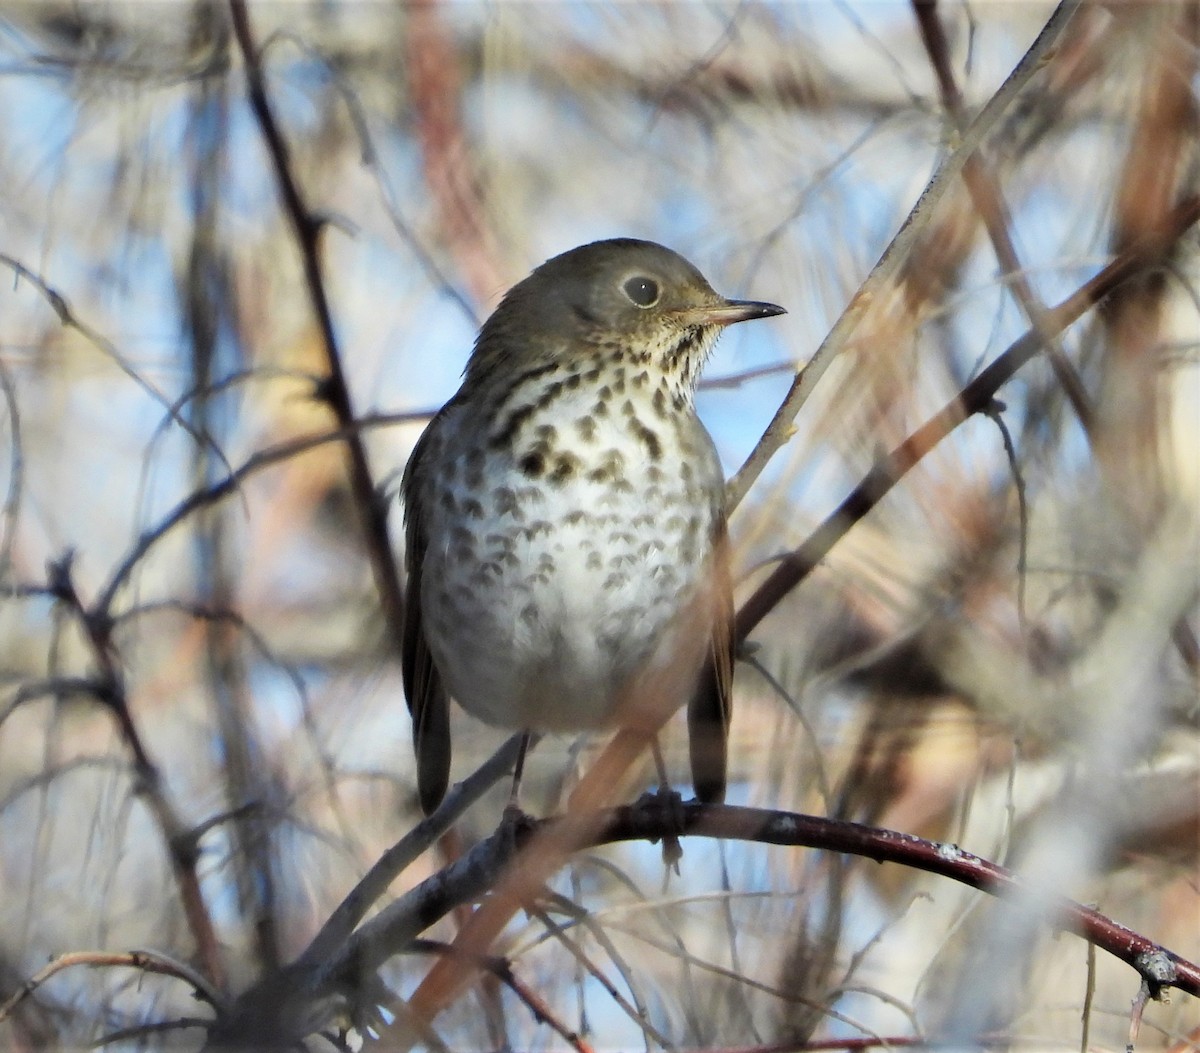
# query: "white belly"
[542,600]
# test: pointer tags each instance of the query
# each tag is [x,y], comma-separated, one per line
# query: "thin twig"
[911,230]
[307,228]
[396,859]
[112,694]
[974,398]
[199,499]
[989,202]
[144,961]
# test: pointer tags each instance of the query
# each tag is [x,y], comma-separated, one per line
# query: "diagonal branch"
[372,509]
[875,288]
[976,397]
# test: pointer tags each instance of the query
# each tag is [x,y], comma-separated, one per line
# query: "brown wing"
[711,707]
[427,701]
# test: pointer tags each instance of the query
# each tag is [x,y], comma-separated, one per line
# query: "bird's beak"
[728,312]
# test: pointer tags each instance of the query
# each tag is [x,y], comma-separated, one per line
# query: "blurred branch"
[976,397]
[70,320]
[221,489]
[432,73]
[371,508]
[182,850]
[1166,119]
[875,289]
[143,961]
[395,860]
[989,202]
[16,472]
[61,687]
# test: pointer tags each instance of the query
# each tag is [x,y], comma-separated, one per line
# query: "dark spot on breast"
[586,426]
[565,466]
[505,501]
[506,432]
[508,427]
[649,439]
[610,468]
[532,464]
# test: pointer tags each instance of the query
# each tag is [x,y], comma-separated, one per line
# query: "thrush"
[565,522]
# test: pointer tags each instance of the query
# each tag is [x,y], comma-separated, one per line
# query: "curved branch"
[654,817]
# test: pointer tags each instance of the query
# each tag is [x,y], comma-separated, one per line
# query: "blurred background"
[1002,654]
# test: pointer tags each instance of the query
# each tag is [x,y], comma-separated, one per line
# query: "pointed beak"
[728,312]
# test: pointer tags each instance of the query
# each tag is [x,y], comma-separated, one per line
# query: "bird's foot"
[667,802]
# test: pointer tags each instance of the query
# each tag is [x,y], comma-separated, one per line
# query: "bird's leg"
[513,808]
[660,765]
[671,848]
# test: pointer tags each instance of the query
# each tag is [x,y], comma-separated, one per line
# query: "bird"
[565,529]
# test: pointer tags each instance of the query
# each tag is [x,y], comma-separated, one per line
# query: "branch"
[976,397]
[652,818]
[874,289]
[307,228]
[145,961]
[181,847]
[218,491]
[395,930]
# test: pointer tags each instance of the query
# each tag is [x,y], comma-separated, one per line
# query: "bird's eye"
[642,291]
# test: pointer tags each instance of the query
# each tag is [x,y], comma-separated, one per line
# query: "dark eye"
[642,291]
